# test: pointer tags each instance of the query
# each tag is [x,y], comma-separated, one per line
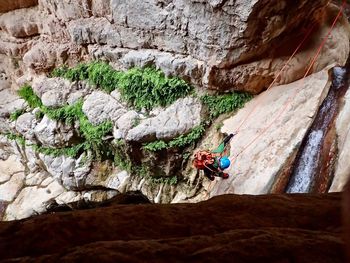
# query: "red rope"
[303,79]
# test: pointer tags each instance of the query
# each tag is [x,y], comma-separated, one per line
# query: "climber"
[213,163]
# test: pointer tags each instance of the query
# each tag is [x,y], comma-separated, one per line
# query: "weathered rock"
[126,122]
[33,200]
[9,102]
[271,134]
[100,107]
[9,190]
[177,119]
[8,5]
[119,181]
[289,228]
[9,167]
[70,172]
[25,125]
[53,133]
[21,23]
[342,170]
[37,179]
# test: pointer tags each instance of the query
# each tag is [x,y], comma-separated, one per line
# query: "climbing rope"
[289,100]
[278,75]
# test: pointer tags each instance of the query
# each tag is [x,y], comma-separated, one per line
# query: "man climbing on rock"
[213,163]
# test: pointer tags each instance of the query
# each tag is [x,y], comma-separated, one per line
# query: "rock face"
[221,45]
[281,120]
[175,36]
[342,173]
[298,228]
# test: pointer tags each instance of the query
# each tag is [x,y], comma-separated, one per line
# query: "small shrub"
[27,93]
[188,139]
[219,104]
[14,115]
[15,137]
[155,146]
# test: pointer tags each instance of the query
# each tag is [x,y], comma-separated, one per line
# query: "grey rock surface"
[100,107]
[53,133]
[179,118]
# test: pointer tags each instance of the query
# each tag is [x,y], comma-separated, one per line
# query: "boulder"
[9,190]
[21,23]
[8,5]
[177,119]
[25,125]
[53,133]
[71,173]
[100,107]
[33,200]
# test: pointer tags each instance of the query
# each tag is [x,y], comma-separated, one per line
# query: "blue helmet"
[224,162]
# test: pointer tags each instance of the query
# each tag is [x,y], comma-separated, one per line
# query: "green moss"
[183,140]
[219,104]
[188,139]
[15,137]
[141,88]
[93,135]
[26,92]
[14,115]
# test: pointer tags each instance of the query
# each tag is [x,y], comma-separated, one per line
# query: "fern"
[155,146]
[141,88]
[15,115]
[26,92]
[219,104]
[188,139]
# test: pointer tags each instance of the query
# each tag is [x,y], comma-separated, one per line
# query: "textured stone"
[119,181]
[9,102]
[126,122]
[20,23]
[179,118]
[25,125]
[33,200]
[9,189]
[342,169]
[53,133]
[100,107]
[287,111]
[70,172]
[8,5]
[10,167]
[35,179]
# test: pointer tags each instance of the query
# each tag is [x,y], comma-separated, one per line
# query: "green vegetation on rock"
[93,135]
[183,140]
[220,104]
[14,115]
[142,88]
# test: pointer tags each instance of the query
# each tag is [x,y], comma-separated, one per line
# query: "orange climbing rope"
[278,75]
[288,102]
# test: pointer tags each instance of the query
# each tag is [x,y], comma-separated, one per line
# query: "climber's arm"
[221,147]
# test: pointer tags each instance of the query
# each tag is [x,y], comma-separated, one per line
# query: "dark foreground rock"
[230,228]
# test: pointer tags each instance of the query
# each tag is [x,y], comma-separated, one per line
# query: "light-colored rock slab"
[33,200]
[53,133]
[9,167]
[9,189]
[342,169]
[100,107]
[175,120]
[284,113]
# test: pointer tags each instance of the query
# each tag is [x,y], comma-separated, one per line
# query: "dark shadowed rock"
[274,228]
